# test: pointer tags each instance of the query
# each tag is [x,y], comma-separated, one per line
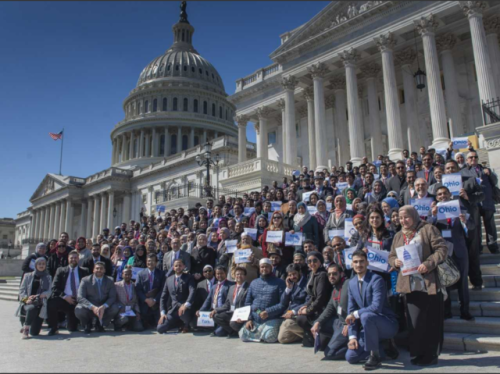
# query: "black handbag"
[448,272]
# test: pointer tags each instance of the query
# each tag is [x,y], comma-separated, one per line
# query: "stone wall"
[10,268]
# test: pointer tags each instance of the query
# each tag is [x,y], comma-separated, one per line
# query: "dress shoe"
[212,334]
[467,316]
[373,362]
[184,329]
[52,332]
[477,288]
[99,328]
[427,361]
[391,351]
[415,360]
[88,329]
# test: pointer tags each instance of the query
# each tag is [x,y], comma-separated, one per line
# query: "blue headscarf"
[392,202]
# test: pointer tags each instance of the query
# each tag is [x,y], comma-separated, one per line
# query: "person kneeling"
[264,296]
[370,317]
[129,315]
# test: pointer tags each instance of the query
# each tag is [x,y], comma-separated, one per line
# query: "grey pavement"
[150,352]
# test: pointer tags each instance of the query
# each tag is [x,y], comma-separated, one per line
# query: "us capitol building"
[359,78]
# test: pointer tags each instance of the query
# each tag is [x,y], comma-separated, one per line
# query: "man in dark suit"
[180,288]
[64,293]
[331,323]
[203,288]
[398,181]
[235,299]
[174,254]
[96,298]
[96,257]
[148,286]
[427,171]
[305,187]
[370,318]
[408,192]
[217,297]
[322,191]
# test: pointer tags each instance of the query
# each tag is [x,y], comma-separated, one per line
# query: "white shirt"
[67,288]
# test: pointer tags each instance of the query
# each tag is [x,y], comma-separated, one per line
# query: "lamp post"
[419,75]
[206,160]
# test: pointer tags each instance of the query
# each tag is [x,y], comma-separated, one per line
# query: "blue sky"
[71,64]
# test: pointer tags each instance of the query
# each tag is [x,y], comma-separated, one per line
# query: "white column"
[147,147]
[281,105]
[318,71]
[81,229]
[242,137]
[38,221]
[257,139]
[371,72]
[445,44]
[111,205]
[311,137]
[426,26]
[179,139]
[474,11]
[97,209]
[90,205]
[69,218]
[32,225]
[386,43]
[51,220]
[42,224]
[289,84]
[103,211]
[126,208]
[191,138]
[113,151]
[123,141]
[154,151]
[356,133]
[141,144]
[62,219]
[204,139]
[338,83]
[57,230]
[46,220]
[166,145]
[263,115]
[492,25]
[131,154]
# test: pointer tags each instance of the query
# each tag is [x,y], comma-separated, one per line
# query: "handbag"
[448,272]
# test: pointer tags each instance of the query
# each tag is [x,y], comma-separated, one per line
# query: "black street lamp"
[419,75]
[206,160]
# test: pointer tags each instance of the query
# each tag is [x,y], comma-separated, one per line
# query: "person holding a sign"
[370,317]
[336,221]
[423,295]
[305,223]
[252,266]
[276,224]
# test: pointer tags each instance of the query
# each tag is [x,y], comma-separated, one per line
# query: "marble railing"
[259,76]
[256,165]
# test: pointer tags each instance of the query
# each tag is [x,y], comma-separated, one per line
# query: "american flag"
[56,136]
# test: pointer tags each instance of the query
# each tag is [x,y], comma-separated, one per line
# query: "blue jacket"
[265,295]
[207,305]
[297,297]
[142,284]
[374,299]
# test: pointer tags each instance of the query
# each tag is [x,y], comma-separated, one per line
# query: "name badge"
[339,310]
[128,308]
[446,233]
[232,308]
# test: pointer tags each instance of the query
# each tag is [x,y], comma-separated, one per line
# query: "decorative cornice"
[241,120]
[263,112]
[406,56]
[370,70]
[338,82]
[385,42]
[473,8]
[329,101]
[492,24]
[281,104]
[308,93]
[289,82]
[318,70]
[302,111]
[446,42]
[349,57]
[427,25]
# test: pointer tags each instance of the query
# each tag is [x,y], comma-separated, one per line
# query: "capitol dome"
[178,103]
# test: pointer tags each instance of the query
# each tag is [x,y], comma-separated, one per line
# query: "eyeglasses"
[400,167]
[312,261]
[276,217]
[61,246]
[472,157]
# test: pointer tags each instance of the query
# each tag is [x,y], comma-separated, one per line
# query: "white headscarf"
[299,220]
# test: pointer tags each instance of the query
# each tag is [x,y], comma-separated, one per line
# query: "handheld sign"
[450,209]
[293,239]
[275,237]
[160,208]
[410,258]
[215,223]
[135,272]
[296,173]
[442,152]
[349,229]
[249,211]
[453,182]
[241,256]
[334,233]
[251,233]
[328,206]
[348,257]
[306,195]
[422,206]
[204,320]
[241,314]
[348,207]
[275,205]
[231,245]
[376,176]
[341,186]
[460,143]
[378,260]
[312,209]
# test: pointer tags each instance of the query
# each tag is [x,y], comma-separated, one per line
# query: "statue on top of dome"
[184,16]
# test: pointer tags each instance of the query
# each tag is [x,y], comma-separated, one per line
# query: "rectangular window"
[401,96]
[271,137]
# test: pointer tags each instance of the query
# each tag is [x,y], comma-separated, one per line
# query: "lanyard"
[409,239]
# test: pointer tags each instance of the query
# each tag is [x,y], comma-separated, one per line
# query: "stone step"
[490,281]
[489,259]
[8,286]
[9,292]
[481,325]
[487,294]
[479,308]
[490,270]
[471,342]
[8,298]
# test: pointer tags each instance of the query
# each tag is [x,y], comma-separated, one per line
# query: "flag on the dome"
[56,136]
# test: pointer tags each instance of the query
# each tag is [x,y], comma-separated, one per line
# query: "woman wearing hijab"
[395,225]
[388,204]
[318,289]
[58,259]
[336,221]
[51,247]
[117,256]
[276,224]
[460,159]
[393,194]
[106,251]
[29,262]
[213,239]
[355,205]
[350,194]
[122,263]
[138,260]
[261,225]
[358,221]
[305,223]
[424,296]
[379,192]
[33,295]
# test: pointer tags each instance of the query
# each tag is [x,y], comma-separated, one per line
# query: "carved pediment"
[49,184]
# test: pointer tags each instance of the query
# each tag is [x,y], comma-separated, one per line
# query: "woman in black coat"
[58,259]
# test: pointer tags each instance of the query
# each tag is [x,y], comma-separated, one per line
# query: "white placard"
[275,237]
[376,177]
[306,195]
[348,257]
[293,239]
[204,320]
[296,173]
[408,254]
[249,211]
[349,229]
[450,209]
[335,232]
[442,152]
[453,182]
[422,206]
[251,232]
[32,264]
[342,186]
[379,260]
[329,206]
[215,223]
[135,272]
[460,143]
[276,205]
[128,313]
[241,314]
[348,207]
[231,245]
[241,256]
[312,209]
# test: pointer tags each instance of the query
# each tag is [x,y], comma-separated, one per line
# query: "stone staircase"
[9,288]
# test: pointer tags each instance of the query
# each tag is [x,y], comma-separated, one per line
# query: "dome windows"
[213,110]
[201,71]
[175,104]
[195,106]
[155,105]
[168,67]
[146,106]
[220,112]
[205,107]
[185,67]
[177,67]
[164,105]
[192,69]
[185,105]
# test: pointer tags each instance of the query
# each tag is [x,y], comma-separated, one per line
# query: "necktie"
[216,294]
[360,286]
[150,280]
[176,280]
[235,295]
[99,287]
[73,283]
[449,221]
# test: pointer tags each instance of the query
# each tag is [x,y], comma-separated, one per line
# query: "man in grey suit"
[96,298]
[176,254]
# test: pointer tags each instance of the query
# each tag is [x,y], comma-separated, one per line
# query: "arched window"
[184,142]
[226,114]
[196,140]
[185,67]
[136,142]
[164,106]
[155,105]
[205,107]
[195,105]
[146,106]
[185,104]
[173,144]
[213,110]
[220,112]
[175,104]
[162,145]
[168,67]
[192,69]
[176,67]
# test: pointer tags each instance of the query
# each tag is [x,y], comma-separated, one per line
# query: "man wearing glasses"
[427,171]
[398,182]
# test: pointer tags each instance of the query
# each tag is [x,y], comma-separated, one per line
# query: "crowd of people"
[295,262]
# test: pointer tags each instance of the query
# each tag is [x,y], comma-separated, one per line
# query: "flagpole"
[62,143]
